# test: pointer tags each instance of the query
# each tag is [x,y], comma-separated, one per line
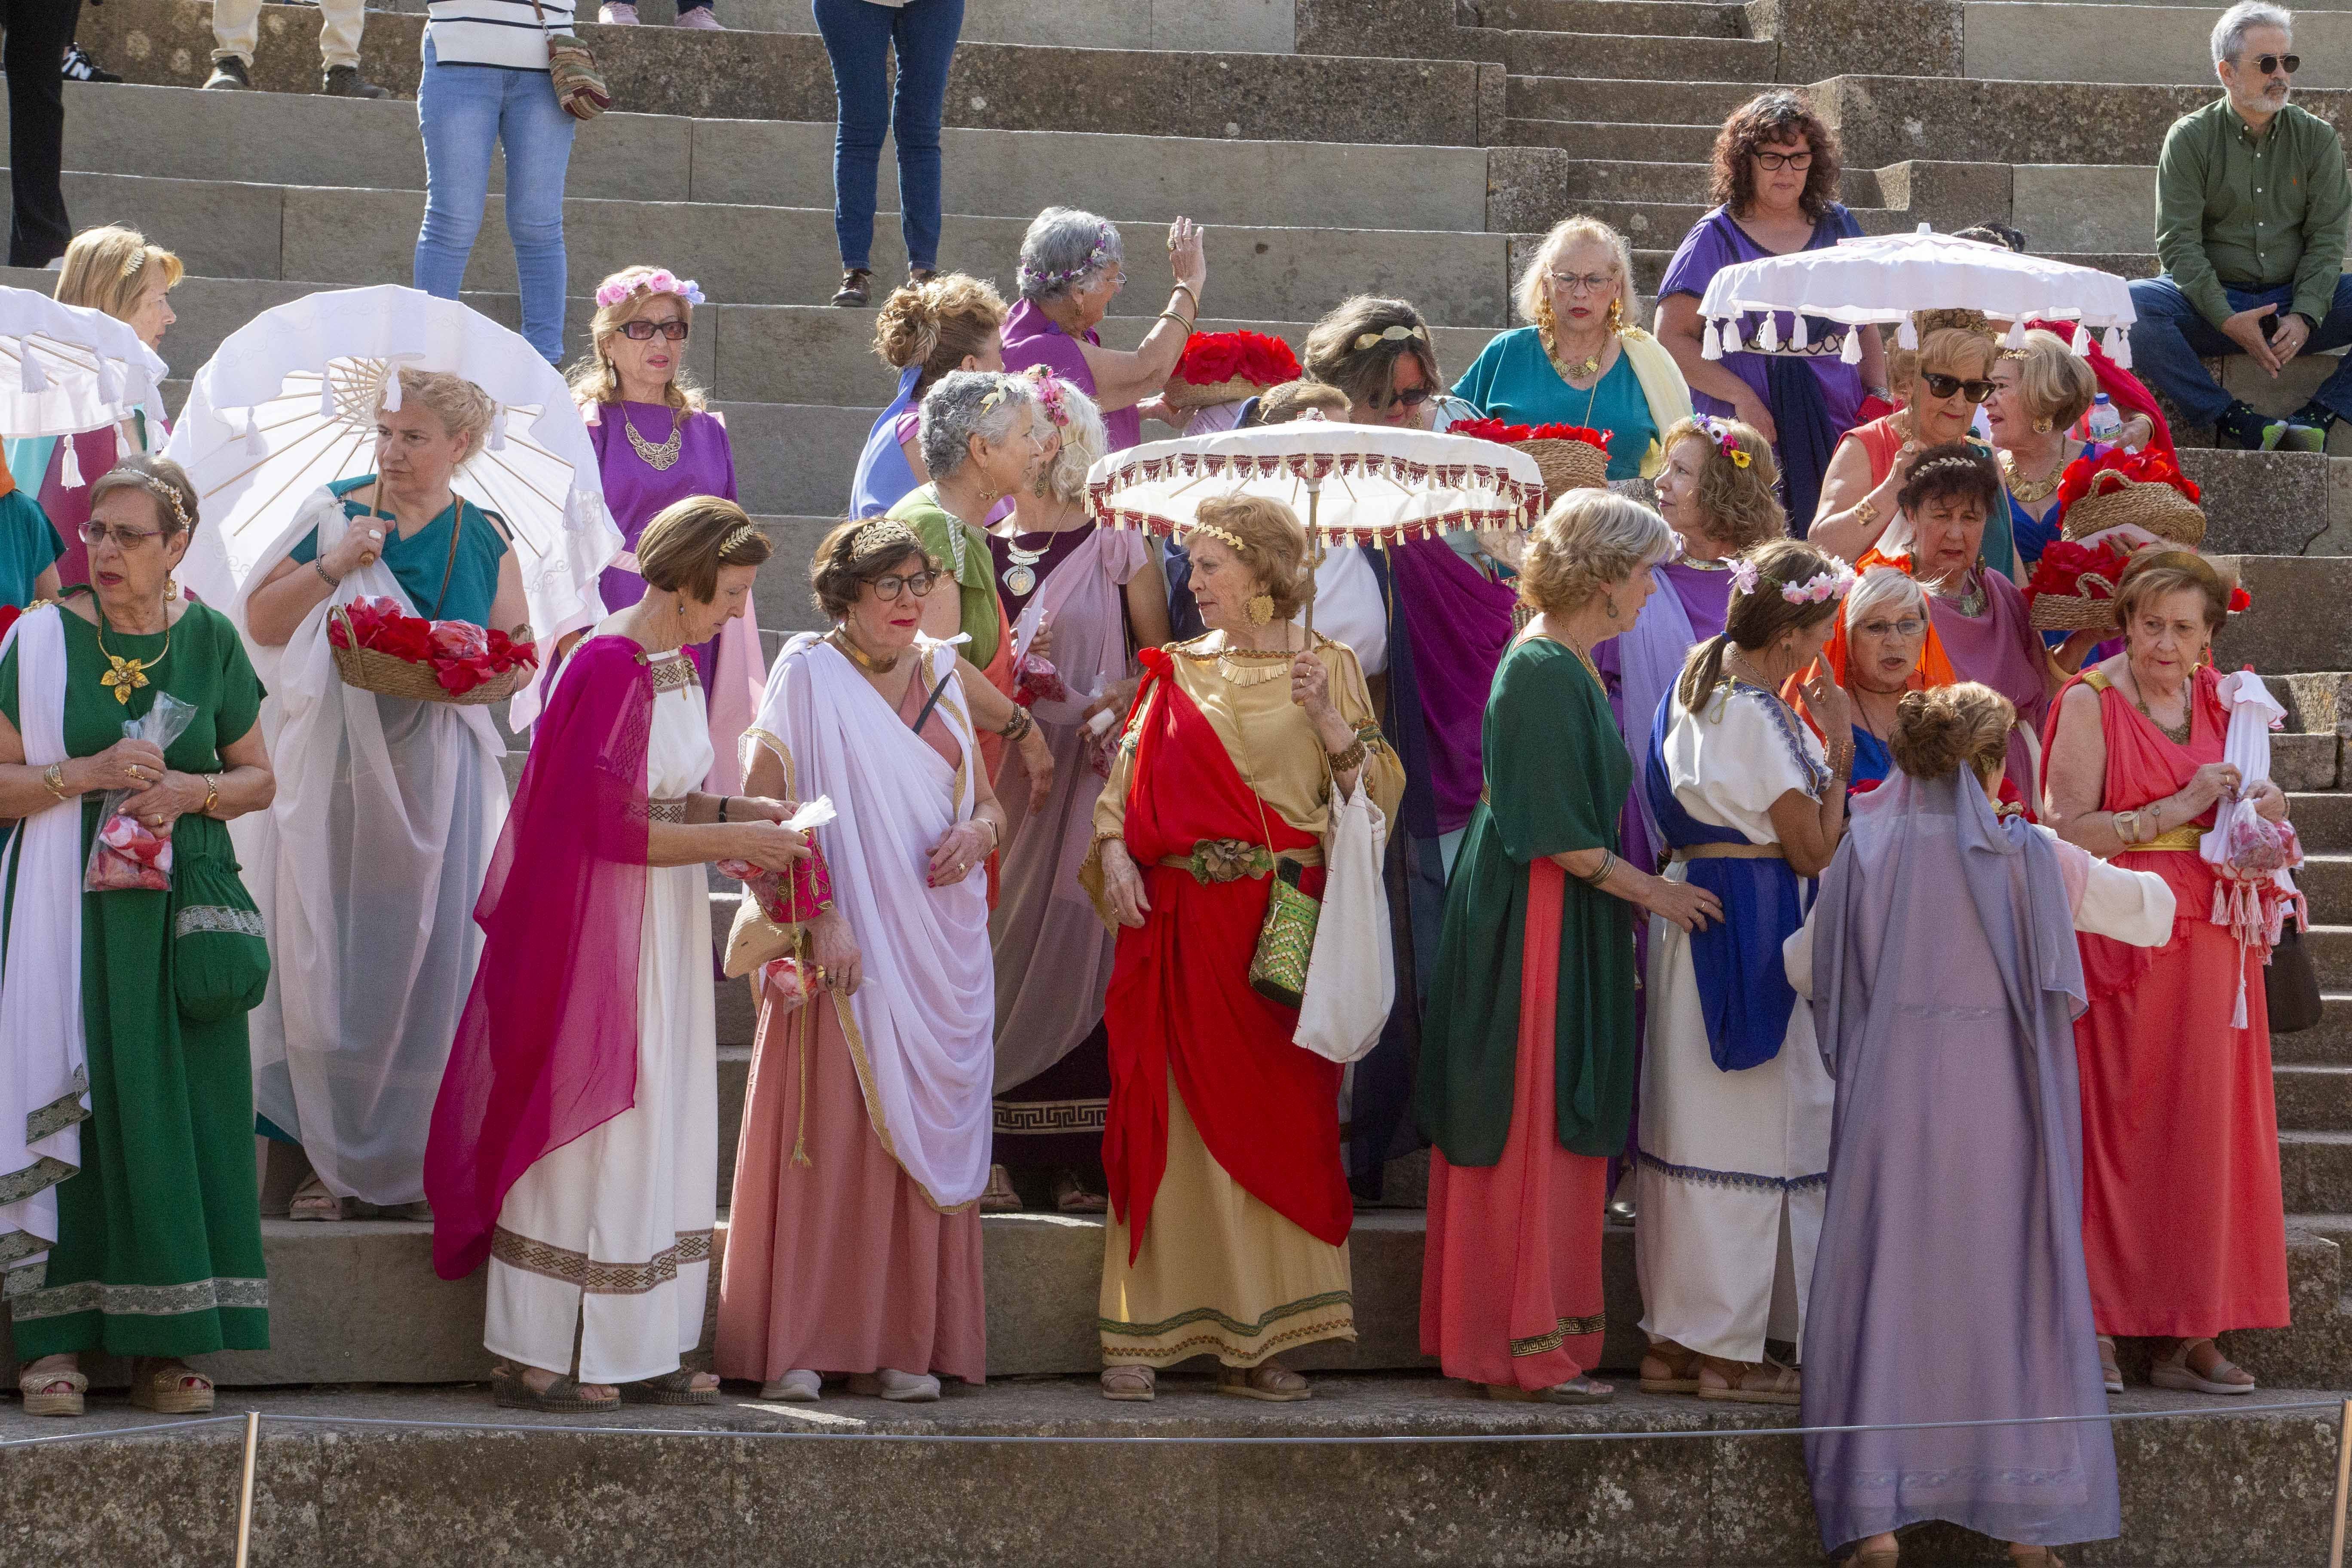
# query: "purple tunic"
[1460,623]
[636,490]
[2000,648]
[1715,242]
[1032,337]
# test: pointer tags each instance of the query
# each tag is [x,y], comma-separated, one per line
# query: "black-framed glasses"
[918,584]
[1941,386]
[643,331]
[2270,65]
[1411,397]
[1776,162]
[94,534]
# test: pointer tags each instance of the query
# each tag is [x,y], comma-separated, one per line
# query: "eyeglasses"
[1940,385]
[94,534]
[1906,628]
[1412,398]
[1588,283]
[1776,162]
[919,585]
[643,331]
[2269,65]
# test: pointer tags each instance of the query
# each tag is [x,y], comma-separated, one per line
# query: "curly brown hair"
[1938,729]
[1774,117]
[1741,503]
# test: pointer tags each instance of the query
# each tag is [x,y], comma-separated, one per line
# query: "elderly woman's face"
[1944,401]
[129,562]
[151,314]
[1010,465]
[414,452]
[1630,593]
[1677,488]
[1777,189]
[2166,639]
[1406,401]
[1884,646]
[728,599]
[1092,297]
[889,609]
[1583,281]
[2006,413]
[1947,533]
[1222,585]
[648,364]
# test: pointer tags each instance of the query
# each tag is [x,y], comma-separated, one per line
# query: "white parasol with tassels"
[65,368]
[289,403]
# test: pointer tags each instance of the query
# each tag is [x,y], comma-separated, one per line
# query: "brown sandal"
[170,1388]
[1072,1195]
[999,1197]
[561,1396]
[1669,1368]
[670,1388]
[44,1397]
[1749,1383]
[1264,1380]
[313,1201]
[1139,1384]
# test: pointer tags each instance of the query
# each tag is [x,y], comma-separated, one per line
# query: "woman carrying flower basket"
[369,863]
[1219,375]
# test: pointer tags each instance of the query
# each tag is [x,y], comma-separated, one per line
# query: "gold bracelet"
[1172,316]
[212,794]
[1864,512]
[2128,826]
[1352,758]
[1608,864]
[53,778]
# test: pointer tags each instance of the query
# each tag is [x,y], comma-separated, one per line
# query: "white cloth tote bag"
[1352,973]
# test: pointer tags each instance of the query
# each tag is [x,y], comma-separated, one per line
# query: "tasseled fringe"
[109,381]
[806,1031]
[391,388]
[1851,352]
[1768,339]
[2016,339]
[2118,346]
[254,445]
[499,428]
[32,377]
[2082,344]
[1710,340]
[68,465]
[1797,338]
[327,409]
[1906,336]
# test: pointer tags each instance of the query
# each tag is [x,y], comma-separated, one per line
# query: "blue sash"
[1743,987]
[883,476]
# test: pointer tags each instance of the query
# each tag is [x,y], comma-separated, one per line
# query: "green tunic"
[961,551]
[159,1243]
[425,559]
[1557,779]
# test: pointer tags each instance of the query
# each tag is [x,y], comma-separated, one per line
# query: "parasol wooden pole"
[1314,554]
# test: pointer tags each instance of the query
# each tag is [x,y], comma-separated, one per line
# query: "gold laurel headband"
[1391,335]
[739,536]
[1224,536]
[883,533]
[168,495]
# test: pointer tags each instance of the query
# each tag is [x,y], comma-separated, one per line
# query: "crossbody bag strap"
[455,528]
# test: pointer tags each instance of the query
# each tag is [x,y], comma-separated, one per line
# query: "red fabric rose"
[1505,435]
[1211,358]
[2063,564]
[2240,599]
[2149,467]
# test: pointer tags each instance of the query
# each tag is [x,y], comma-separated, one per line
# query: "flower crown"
[1748,578]
[1047,389]
[653,280]
[1727,442]
[1096,259]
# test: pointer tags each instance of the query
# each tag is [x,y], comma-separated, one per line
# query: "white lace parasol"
[65,369]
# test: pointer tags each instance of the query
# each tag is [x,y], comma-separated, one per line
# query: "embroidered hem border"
[1786,724]
[1330,1315]
[1569,1329]
[595,1276]
[1015,1119]
[43,1173]
[1749,1180]
[46,1120]
[198,918]
[142,1300]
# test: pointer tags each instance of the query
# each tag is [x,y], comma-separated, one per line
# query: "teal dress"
[421,560]
[1513,379]
[29,546]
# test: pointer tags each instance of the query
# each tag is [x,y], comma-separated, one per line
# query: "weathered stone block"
[1821,38]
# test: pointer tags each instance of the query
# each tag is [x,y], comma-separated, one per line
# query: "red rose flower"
[1211,358]
[2149,467]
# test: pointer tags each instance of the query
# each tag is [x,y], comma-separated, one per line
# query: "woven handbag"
[572,67]
[1285,943]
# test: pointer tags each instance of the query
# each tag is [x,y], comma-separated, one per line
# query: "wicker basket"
[1568,465]
[1189,394]
[2055,613]
[2115,501]
[371,670]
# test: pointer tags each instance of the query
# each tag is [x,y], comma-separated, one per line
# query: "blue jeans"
[859,38]
[2172,336]
[465,112]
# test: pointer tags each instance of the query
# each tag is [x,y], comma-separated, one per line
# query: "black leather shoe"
[343,82]
[857,287]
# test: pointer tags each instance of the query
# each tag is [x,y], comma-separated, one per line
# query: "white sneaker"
[618,13]
[701,20]
[798,1386]
[902,1387]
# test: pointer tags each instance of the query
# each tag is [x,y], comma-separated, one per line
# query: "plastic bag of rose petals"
[127,853]
[2256,848]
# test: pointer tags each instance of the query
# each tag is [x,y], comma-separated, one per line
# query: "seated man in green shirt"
[2252,205]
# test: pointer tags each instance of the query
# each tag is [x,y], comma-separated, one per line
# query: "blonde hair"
[1589,540]
[1273,545]
[594,380]
[463,408]
[159,479]
[1742,504]
[1937,729]
[109,269]
[938,324]
[2050,382]
[1533,295]
[1083,439]
[689,540]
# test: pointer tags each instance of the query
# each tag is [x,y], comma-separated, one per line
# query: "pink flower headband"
[658,280]
[1726,443]
[1747,578]
[1048,388]
[1096,259]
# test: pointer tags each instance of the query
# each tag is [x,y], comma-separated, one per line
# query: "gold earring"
[2041,426]
[1617,315]
[171,586]
[1260,609]
[1609,605]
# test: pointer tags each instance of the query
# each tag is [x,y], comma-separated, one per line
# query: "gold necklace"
[1591,668]
[1265,664]
[2032,492]
[660,458]
[2176,733]
[839,638]
[1590,365]
[127,674]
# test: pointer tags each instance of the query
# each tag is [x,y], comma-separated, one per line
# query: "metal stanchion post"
[2342,1487]
[253,1442]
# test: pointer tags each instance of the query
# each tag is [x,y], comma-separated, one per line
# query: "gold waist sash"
[1231,859]
[1730,852]
[2176,838]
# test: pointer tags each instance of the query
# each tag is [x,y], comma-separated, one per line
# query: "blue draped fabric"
[1743,987]
[1807,439]
[883,476]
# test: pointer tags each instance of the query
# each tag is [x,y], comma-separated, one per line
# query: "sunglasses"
[643,331]
[1941,386]
[919,583]
[1776,162]
[1413,398]
[128,538]
[2269,65]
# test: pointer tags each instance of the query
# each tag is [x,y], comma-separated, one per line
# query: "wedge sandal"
[170,1388]
[1278,1385]
[1751,1383]
[2175,1373]
[43,1397]
[670,1388]
[1668,1368]
[560,1397]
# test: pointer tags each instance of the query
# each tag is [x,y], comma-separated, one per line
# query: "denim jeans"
[2172,336]
[859,38]
[465,112]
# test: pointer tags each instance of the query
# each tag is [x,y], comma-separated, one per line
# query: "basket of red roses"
[2137,489]
[1225,367]
[380,649]
[1570,457]
[2074,586]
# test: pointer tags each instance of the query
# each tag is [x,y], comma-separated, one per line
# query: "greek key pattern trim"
[673,674]
[1747,1180]
[1569,1329]
[1037,1117]
[60,1113]
[143,1300]
[595,1278]
[219,918]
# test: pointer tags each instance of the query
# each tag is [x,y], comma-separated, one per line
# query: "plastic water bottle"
[2106,423]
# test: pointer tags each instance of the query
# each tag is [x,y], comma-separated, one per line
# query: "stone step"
[1657,18]
[1592,176]
[2217,1486]
[2297,621]
[2315,1168]
[2331,956]
[2020,40]
[1256,26]
[2322,820]
[2312,1097]
[1629,139]
[785,76]
[2327,884]
[1639,57]
[271,138]
[776,255]
[1671,102]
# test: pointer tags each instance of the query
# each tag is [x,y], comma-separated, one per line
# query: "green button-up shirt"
[2252,213]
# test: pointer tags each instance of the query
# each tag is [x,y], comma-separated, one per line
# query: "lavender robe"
[1949,1284]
